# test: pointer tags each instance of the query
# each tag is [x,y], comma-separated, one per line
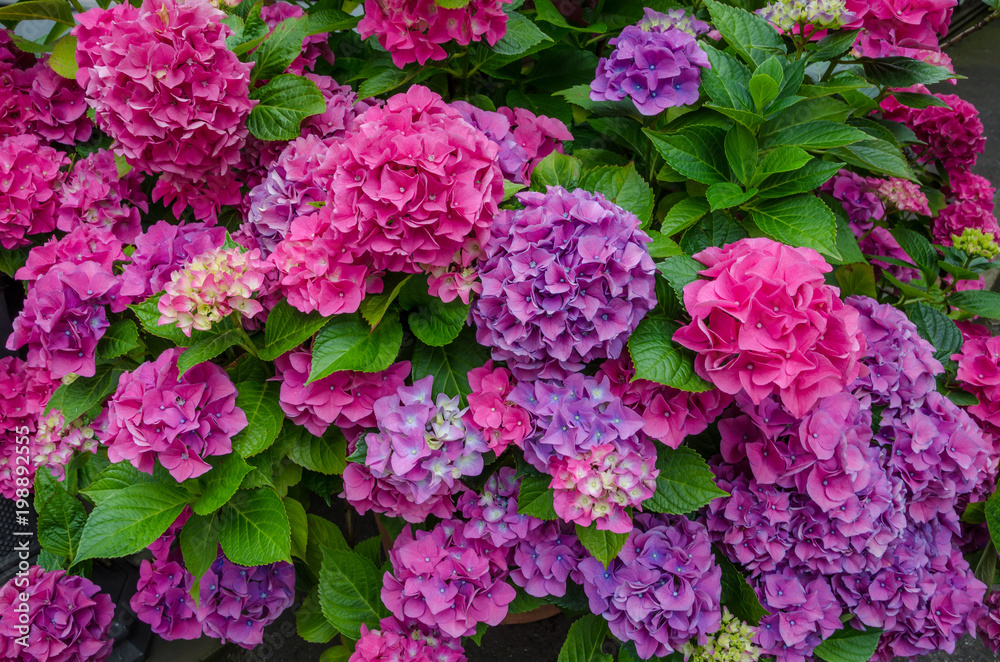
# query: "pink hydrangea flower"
[180,421]
[68,618]
[345,398]
[804,612]
[56,441]
[58,107]
[414,30]
[765,322]
[29,184]
[989,624]
[412,641]
[211,287]
[962,214]
[446,581]
[93,194]
[904,195]
[966,186]
[24,393]
[85,243]
[979,374]
[314,46]
[15,106]
[135,62]
[908,28]
[953,135]
[450,283]
[501,421]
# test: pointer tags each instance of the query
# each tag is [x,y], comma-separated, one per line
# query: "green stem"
[77,6]
[829,70]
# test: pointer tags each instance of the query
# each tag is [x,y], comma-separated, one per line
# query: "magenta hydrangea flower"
[56,440]
[655,64]
[571,417]
[345,398]
[180,421]
[765,322]
[24,393]
[93,194]
[163,599]
[566,280]
[413,463]
[29,182]
[15,106]
[64,317]
[804,611]
[662,590]
[907,28]
[68,618]
[964,185]
[411,208]
[446,581]
[548,556]
[858,195]
[952,135]
[979,374]
[212,286]
[134,62]
[410,641]
[493,514]
[501,422]
[523,137]
[242,601]
[85,243]
[904,195]
[314,46]
[450,283]
[989,623]
[962,214]
[669,415]
[901,364]
[58,107]
[414,30]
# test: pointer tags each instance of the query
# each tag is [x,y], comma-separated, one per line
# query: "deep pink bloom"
[501,421]
[953,135]
[904,195]
[29,184]
[86,243]
[979,374]
[93,194]
[989,624]
[908,28]
[404,643]
[58,108]
[24,393]
[962,214]
[242,601]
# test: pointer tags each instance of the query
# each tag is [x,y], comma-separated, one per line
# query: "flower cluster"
[765,322]
[85,243]
[662,590]
[501,422]
[952,135]
[155,414]
[989,624]
[57,110]
[808,15]
[732,643]
[414,30]
[94,194]
[904,195]
[345,398]
[29,182]
[548,556]
[24,392]
[493,515]
[907,28]
[566,280]
[241,601]
[979,374]
[414,462]
[446,581]
[858,196]
[412,641]
[172,96]
[804,611]
[668,415]
[654,21]
[654,64]
[163,599]
[68,618]
[56,440]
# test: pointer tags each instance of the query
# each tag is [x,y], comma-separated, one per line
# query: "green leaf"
[744,32]
[975,513]
[260,402]
[78,397]
[374,306]
[326,454]
[727,82]
[801,220]
[763,89]
[662,245]
[741,152]
[920,250]
[520,37]
[716,229]
[919,101]
[679,271]
[725,195]
[61,519]
[277,52]
[992,510]
[685,483]
[535,498]
[208,348]
[287,328]
[336,654]
[114,478]
[371,549]
[820,134]
[557,169]
[623,186]
[903,72]
[438,324]
[877,156]
[382,82]
[349,589]
[450,365]
[584,641]
[807,177]
[524,603]
[130,519]
[737,594]
[149,316]
[199,547]
[986,304]
[602,545]
[331,20]
[849,645]
[299,525]
[683,215]
[284,102]
[347,343]
[451,4]
[63,58]
[12,260]
[785,158]
[323,535]
[936,328]
[658,359]
[857,278]
[220,483]
[311,624]
[254,528]
[39,10]
[834,44]
[118,339]
[547,12]
[696,152]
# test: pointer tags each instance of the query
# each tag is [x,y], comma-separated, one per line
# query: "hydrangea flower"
[571,417]
[964,185]
[732,643]
[163,600]
[242,601]
[765,322]
[907,28]
[414,30]
[85,243]
[879,241]
[180,421]
[211,287]
[952,135]
[858,196]
[414,462]
[566,280]
[64,318]
[29,182]
[56,441]
[414,641]
[904,195]
[134,61]
[656,65]
[58,108]
[501,422]
[809,16]
[975,242]
[446,581]
[24,393]
[662,590]
[546,558]
[669,415]
[15,106]
[68,618]
[314,46]
[960,216]
[989,623]
[94,194]
[654,21]
[804,611]
[345,398]
[493,515]
[979,374]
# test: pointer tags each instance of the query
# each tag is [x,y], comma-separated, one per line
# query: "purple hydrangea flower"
[242,601]
[567,279]
[859,197]
[163,600]
[548,556]
[662,590]
[404,642]
[493,515]
[804,612]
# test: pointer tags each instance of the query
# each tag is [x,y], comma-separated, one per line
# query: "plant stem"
[975,28]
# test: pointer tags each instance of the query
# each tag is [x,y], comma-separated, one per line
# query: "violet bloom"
[446,581]
[858,196]
[29,184]
[657,68]
[547,558]
[664,588]
[415,460]
[989,623]
[566,280]
[180,421]
[68,618]
[94,194]
[804,612]
[493,515]
[408,640]
[163,600]
[239,602]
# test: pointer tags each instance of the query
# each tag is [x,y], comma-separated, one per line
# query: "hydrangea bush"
[670,317]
